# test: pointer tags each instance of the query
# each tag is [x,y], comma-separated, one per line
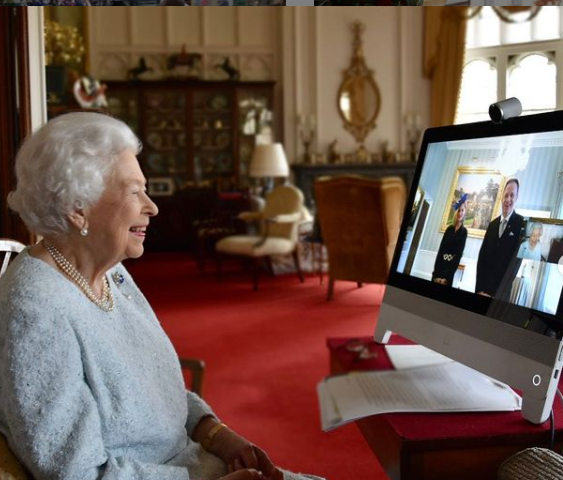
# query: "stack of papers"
[446,386]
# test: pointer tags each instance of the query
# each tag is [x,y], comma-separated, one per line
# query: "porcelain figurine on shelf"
[231,71]
[90,93]
[333,152]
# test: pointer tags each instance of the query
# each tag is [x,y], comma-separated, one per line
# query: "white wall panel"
[258,27]
[110,26]
[184,26]
[220,29]
[148,26]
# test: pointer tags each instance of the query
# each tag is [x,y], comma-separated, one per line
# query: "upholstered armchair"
[360,220]
[278,221]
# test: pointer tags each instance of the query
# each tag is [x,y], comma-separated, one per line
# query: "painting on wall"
[484,188]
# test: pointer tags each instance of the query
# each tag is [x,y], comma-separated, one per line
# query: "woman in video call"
[451,247]
[531,249]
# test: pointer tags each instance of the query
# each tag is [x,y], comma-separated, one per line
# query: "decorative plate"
[154,101]
[223,140]
[218,102]
[154,140]
[156,163]
[224,163]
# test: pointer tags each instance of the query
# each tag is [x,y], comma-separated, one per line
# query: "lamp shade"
[269,161]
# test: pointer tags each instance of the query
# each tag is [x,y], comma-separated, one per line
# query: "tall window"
[505,60]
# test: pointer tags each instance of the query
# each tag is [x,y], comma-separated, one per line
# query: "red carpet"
[265,352]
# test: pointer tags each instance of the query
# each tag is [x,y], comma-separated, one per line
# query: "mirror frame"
[358,68]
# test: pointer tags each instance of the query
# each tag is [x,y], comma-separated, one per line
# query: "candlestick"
[413,123]
[306,133]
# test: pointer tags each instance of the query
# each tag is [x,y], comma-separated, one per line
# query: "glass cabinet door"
[124,104]
[212,136]
[165,125]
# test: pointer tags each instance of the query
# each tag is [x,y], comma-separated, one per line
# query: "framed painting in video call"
[484,191]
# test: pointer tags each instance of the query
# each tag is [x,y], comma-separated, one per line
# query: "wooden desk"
[440,446]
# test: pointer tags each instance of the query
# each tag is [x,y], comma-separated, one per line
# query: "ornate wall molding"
[258,61]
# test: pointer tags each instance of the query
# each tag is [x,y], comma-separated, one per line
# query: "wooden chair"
[222,222]
[9,247]
[360,220]
[10,467]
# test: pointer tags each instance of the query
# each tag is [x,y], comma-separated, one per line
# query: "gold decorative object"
[413,125]
[64,46]
[362,155]
[306,127]
[484,187]
[359,100]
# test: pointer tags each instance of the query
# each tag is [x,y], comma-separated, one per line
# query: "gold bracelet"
[206,442]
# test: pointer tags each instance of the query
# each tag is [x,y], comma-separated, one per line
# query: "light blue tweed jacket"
[87,394]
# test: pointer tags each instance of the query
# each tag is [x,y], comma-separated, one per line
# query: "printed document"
[413,356]
[448,387]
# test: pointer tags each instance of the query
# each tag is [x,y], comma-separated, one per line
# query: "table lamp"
[269,162]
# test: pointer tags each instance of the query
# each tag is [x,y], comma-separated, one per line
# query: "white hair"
[65,166]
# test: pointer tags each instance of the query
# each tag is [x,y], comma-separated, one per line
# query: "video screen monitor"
[487,220]
[478,268]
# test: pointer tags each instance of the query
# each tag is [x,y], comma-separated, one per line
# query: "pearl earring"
[84,232]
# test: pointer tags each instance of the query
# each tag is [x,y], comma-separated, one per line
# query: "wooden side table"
[439,446]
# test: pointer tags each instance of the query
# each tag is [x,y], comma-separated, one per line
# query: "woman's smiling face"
[118,222]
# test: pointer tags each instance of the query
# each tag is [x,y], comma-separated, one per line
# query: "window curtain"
[444,48]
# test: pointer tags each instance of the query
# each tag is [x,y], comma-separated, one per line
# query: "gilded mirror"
[359,100]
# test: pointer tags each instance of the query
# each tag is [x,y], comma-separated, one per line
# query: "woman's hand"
[238,453]
[246,474]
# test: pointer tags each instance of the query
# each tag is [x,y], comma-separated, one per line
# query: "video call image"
[487,219]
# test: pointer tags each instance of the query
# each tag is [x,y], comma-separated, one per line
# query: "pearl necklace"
[105,302]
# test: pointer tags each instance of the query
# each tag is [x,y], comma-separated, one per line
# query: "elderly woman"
[531,249]
[91,386]
[451,246]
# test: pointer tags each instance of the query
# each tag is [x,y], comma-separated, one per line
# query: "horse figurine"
[133,73]
[186,64]
[231,71]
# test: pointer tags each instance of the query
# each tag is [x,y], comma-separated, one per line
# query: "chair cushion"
[244,245]
[10,466]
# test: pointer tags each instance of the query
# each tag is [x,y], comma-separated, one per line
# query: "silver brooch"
[119,280]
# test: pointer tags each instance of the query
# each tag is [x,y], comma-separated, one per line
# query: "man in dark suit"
[500,244]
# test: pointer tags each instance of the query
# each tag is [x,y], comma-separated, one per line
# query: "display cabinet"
[197,133]
[198,137]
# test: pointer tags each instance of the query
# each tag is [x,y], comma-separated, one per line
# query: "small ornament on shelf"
[136,72]
[362,155]
[333,152]
[230,70]
[306,127]
[90,93]
[185,65]
[414,130]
